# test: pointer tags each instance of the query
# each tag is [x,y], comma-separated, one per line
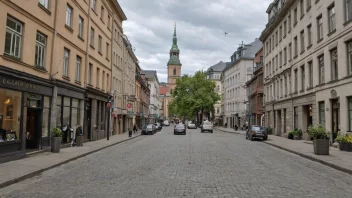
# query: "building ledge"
[332,32]
[44,8]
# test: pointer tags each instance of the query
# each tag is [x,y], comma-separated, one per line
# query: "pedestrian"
[135,128]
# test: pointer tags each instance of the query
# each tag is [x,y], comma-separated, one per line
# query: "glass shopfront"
[67,115]
[10,115]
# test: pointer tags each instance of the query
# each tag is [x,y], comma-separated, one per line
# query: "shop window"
[322,113]
[58,112]
[46,117]
[10,114]
[296,117]
[75,112]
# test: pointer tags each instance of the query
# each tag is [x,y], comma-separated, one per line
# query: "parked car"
[207,126]
[166,123]
[256,131]
[180,129]
[191,125]
[158,126]
[149,129]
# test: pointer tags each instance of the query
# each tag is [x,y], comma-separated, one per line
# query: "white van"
[166,123]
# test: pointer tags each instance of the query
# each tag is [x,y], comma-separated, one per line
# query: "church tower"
[174,65]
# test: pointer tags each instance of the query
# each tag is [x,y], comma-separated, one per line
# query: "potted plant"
[297,134]
[290,135]
[345,142]
[56,137]
[320,140]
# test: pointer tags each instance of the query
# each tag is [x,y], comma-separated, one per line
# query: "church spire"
[174,51]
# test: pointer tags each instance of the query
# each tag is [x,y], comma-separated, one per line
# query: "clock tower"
[174,65]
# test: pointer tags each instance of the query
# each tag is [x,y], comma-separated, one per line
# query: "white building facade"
[235,75]
[153,83]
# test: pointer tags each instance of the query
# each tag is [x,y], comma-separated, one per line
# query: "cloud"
[200,30]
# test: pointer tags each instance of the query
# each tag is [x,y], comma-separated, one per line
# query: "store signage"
[19,83]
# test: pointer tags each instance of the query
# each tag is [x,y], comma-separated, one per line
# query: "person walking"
[135,129]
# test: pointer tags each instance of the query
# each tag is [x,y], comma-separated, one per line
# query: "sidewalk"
[337,159]
[15,171]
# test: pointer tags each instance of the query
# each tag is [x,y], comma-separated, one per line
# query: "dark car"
[256,131]
[158,126]
[149,129]
[180,129]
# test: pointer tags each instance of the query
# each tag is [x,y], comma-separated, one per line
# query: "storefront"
[96,114]
[69,108]
[24,113]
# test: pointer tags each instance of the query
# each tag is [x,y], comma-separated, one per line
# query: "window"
[309,4]
[66,62]
[302,42]
[349,52]
[94,4]
[280,33]
[290,51]
[99,43]
[334,65]
[40,50]
[320,27]
[68,15]
[303,74]
[285,55]
[277,37]
[90,73]
[296,81]
[277,62]
[98,78]
[321,69]
[350,114]
[280,59]
[296,46]
[348,7]
[175,73]
[13,39]
[289,23]
[269,45]
[309,28]
[310,70]
[44,3]
[285,86]
[80,26]
[281,88]
[103,81]
[289,84]
[332,20]
[273,40]
[302,8]
[295,112]
[295,19]
[78,68]
[322,113]
[92,37]
[285,28]
[11,112]
[102,13]
[107,82]
[107,50]
[108,21]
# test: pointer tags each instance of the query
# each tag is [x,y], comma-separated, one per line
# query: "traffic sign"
[129,105]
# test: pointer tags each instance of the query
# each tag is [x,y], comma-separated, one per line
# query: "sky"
[201,27]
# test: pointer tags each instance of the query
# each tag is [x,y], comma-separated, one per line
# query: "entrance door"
[335,117]
[34,128]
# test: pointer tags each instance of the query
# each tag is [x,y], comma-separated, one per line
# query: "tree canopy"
[193,94]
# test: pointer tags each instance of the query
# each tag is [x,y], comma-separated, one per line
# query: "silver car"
[207,126]
[191,125]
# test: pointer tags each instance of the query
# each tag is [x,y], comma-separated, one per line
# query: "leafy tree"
[193,95]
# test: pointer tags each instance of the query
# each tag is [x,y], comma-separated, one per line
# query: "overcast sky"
[200,30]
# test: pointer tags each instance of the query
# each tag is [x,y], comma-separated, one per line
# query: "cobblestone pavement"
[195,165]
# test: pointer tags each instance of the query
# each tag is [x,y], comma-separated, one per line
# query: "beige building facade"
[307,65]
[56,70]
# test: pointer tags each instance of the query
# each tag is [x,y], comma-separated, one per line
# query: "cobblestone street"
[195,165]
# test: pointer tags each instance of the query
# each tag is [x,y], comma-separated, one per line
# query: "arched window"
[174,71]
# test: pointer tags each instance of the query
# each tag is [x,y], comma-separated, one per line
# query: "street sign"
[129,105]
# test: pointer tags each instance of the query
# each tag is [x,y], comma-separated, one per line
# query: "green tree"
[193,94]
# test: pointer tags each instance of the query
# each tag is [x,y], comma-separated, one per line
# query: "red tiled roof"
[163,90]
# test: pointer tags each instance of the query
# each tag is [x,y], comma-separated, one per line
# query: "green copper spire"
[174,51]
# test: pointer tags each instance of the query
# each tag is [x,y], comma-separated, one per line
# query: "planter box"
[345,147]
[55,144]
[321,146]
[297,137]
